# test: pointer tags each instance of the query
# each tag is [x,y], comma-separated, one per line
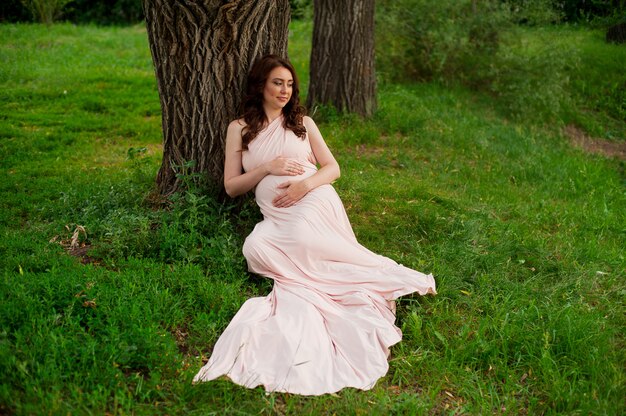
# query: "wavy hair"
[252,104]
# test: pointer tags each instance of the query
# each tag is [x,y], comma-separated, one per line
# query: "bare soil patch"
[75,246]
[82,253]
[594,145]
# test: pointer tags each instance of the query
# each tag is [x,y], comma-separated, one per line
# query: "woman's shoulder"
[236,127]
[235,130]
[310,125]
[238,124]
[308,122]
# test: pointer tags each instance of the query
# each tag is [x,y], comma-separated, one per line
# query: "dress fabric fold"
[328,322]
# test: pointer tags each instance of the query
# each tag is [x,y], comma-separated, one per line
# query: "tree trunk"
[342,56]
[202,50]
[616,33]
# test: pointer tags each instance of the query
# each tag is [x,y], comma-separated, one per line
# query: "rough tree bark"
[342,56]
[202,50]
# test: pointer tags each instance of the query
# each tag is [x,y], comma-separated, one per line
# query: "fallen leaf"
[76,234]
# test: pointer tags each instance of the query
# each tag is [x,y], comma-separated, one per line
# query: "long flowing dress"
[328,322]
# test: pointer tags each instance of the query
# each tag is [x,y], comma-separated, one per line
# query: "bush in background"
[475,44]
[45,11]
[532,82]
[604,12]
[535,12]
[438,39]
[106,12]
[13,11]
[301,9]
[101,12]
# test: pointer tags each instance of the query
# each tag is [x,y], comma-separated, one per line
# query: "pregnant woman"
[329,321]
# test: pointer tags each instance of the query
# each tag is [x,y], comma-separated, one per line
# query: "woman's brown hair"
[252,105]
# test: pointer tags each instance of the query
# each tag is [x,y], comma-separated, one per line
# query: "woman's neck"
[272,114]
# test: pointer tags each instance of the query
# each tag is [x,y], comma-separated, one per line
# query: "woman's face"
[278,88]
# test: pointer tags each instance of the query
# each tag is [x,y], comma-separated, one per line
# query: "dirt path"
[594,145]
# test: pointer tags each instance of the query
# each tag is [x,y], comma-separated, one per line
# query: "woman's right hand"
[284,166]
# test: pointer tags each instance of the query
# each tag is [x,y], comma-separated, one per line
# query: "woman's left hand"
[294,191]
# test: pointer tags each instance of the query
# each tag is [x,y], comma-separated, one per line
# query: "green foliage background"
[532,73]
[107,12]
[124,12]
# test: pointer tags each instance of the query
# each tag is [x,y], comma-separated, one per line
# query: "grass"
[524,233]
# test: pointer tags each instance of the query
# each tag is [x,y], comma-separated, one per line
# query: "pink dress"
[328,323]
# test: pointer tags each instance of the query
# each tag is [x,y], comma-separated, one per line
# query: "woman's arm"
[329,168]
[238,183]
[328,172]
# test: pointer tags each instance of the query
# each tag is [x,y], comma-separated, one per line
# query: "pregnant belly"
[267,189]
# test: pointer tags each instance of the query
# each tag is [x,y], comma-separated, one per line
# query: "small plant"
[45,11]
[199,229]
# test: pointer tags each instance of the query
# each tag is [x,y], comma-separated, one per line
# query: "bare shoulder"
[308,122]
[237,125]
[234,134]
[235,129]
[311,127]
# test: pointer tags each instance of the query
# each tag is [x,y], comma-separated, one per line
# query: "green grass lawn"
[524,233]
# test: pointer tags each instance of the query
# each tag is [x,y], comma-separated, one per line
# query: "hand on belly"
[290,192]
